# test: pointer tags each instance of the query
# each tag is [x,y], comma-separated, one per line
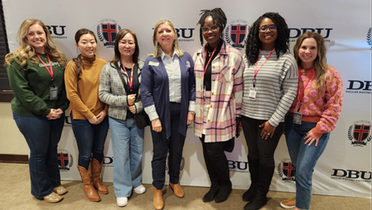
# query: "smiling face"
[210,33]
[165,36]
[308,52]
[127,46]
[87,45]
[267,37]
[36,37]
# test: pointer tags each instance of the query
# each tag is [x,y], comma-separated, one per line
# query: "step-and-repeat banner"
[345,167]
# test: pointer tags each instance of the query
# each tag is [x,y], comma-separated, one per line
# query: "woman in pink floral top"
[313,114]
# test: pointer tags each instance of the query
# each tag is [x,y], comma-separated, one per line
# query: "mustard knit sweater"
[82,90]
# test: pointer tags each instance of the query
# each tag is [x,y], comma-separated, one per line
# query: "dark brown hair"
[78,34]
[119,36]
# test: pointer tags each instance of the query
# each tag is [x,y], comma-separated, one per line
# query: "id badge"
[252,93]
[204,90]
[297,118]
[53,93]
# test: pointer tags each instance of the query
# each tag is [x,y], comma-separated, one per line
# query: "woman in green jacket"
[36,71]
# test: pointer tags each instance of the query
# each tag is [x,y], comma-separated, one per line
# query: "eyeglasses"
[270,28]
[213,27]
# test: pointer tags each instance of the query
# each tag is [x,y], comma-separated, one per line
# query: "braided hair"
[254,44]
[218,17]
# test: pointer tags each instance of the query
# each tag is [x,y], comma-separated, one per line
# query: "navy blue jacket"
[155,90]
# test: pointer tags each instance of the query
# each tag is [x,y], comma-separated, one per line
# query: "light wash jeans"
[303,158]
[127,146]
[42,137]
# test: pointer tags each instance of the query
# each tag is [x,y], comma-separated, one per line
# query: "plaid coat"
[226,94]
[112,92]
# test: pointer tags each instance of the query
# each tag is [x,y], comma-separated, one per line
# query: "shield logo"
[288,169]
[361,132]
[238,33]
[109,31]
[63,159]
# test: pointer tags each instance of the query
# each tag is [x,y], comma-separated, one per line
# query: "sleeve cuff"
[192,106]
[272,123]
[47,111]
[317,132]
[151,112]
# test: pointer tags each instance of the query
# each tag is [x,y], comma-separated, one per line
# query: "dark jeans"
[90,139]
[258,148]
[161,146]
[42,136]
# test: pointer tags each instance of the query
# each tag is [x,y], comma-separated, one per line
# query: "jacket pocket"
[226,74]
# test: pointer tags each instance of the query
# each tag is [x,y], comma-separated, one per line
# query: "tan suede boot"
[96,176]
[158,199]
[177,190]
[88,186]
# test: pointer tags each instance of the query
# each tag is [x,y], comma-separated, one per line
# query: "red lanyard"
[210,58]
[130,81]
[50,65]
[301,94]
[258,58]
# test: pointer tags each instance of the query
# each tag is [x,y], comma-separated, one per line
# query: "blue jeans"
[90,139]
[127,145]
[42,136]
[303,158]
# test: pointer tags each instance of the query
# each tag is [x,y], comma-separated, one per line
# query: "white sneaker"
[122,201]
[140,189]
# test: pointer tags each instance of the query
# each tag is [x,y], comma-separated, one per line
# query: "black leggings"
[258,148]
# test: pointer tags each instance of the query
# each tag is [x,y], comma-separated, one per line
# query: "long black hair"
[218,17]
[254,44]
[78,34]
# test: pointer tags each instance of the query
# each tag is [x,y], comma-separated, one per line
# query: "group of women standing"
[217,88]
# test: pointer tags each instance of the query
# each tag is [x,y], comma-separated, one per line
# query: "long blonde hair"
[157,52]
[25,50]
[320,62]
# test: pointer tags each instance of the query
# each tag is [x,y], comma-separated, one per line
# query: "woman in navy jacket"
[168,97]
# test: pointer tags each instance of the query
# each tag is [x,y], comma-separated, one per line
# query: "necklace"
[209,53]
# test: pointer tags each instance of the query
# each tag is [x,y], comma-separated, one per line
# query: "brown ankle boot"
[88,186]
[158,199]
[96,176]
[177,190]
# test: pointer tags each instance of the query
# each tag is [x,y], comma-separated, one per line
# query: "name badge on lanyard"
[53,93]
[252,93]
[252,90]
[297,118]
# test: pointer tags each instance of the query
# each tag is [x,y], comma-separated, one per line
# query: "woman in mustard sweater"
[313,114]
[87,112]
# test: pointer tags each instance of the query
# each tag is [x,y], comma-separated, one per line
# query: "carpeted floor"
[15,195]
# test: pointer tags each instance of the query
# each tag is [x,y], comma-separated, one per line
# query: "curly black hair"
[254,44]
[218,17]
